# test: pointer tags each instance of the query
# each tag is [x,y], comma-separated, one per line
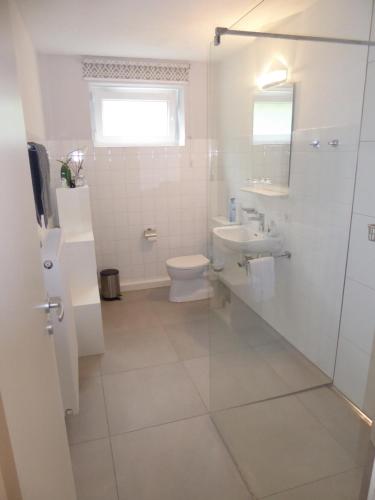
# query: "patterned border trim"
[127,69]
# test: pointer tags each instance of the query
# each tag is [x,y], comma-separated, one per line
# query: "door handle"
[53,303]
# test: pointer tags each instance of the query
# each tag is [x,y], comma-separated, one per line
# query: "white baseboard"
[127,286]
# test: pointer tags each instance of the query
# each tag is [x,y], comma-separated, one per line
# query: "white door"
[29,383]
[56,272]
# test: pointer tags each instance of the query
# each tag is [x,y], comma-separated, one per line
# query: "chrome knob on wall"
[315,144]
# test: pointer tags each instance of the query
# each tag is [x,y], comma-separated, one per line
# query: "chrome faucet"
[254,215]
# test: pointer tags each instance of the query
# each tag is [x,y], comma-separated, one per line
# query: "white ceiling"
[168,29]
[164,29]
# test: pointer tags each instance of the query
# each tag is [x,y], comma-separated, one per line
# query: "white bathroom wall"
[315,219]
[28,77]
[355,350]
[133,188]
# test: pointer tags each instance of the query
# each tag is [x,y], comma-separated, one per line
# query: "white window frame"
[173,94]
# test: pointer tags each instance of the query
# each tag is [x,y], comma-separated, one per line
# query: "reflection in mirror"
[272,137]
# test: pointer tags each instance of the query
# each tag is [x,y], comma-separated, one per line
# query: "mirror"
[272,136]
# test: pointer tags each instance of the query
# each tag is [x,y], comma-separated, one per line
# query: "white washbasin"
[245,239]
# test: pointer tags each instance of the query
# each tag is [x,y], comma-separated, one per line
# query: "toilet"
[188,278]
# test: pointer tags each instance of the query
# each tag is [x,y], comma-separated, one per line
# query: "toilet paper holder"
[150,234]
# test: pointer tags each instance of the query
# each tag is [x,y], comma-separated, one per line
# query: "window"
[137,115]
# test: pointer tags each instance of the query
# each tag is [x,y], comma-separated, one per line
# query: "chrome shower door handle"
[53,303]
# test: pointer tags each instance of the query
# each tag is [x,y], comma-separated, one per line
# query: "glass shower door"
[284,127]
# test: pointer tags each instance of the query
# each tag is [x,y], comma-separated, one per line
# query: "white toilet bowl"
[188,278]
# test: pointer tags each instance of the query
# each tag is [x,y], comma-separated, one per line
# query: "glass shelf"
[275,193]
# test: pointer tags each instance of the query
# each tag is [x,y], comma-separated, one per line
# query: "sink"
[245,239]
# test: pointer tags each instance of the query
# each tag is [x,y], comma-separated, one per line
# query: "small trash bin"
[110,284]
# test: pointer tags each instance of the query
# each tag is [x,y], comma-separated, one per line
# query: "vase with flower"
[71,171]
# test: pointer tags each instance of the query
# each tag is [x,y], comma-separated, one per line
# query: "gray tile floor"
[188,403]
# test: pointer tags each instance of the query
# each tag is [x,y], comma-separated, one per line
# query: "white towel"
[261,273]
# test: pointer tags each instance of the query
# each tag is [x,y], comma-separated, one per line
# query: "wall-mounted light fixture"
[276,75]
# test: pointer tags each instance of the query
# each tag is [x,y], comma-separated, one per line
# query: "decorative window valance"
[104,68]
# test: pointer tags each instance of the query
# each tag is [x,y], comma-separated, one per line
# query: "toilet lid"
[188,261]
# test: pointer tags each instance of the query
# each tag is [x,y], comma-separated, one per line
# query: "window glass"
[137,115]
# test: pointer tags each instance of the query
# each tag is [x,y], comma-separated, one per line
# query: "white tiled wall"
[272,161]
[133,189]
[355,355]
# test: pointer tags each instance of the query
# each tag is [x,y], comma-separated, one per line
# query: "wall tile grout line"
[110,436]
[109,439]
[310,483]
[105,374]
[195,385]
[208,412]
[273,398]
[321,421]
[234,461]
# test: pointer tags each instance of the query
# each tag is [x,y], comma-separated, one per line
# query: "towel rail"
[286,254]
[248,258]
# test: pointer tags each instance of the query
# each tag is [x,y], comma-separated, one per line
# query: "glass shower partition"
[284,127]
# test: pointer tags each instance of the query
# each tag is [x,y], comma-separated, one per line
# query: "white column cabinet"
[75,220]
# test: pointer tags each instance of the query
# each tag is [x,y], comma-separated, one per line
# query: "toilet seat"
[188,262]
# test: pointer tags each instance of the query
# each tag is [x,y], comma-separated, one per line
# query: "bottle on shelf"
[232,210]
